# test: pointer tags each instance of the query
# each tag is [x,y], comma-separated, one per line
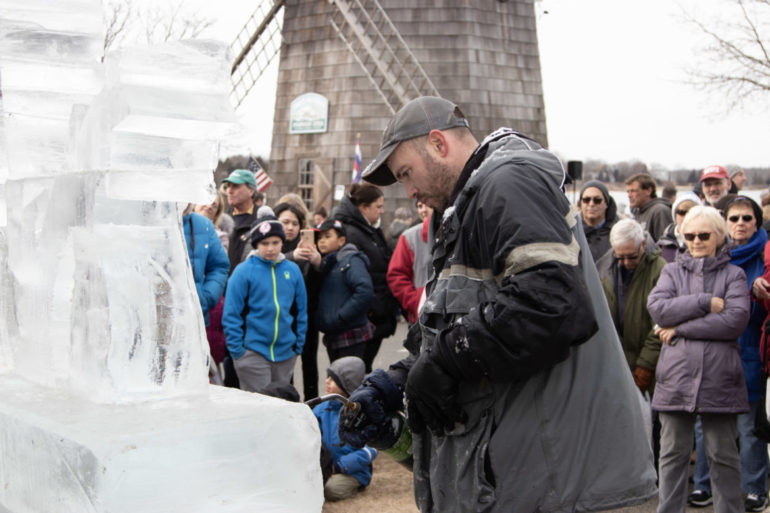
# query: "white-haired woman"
[701,306]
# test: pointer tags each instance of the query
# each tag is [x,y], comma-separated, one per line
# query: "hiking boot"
[701,499]
[756,502]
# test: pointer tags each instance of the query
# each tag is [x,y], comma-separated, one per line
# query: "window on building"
[305,182]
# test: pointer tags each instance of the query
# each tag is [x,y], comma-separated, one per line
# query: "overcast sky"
[614,85]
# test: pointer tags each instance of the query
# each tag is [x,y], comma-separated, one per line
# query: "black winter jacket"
[346,291]
[239,247]
[371,242]
[511,264]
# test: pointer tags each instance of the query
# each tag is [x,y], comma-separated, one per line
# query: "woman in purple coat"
[701,306]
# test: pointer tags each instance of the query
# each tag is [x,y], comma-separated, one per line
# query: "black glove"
[433,382]
[413,339]
[453,352]
[431,397]
[378,398]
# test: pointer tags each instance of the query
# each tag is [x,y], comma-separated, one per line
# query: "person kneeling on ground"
[352,468]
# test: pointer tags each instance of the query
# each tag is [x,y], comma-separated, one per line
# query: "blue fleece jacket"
[208,259]
[258,303]
[347,459]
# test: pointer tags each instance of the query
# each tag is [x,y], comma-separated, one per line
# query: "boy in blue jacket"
[352,468]
[262,335]
[346,293]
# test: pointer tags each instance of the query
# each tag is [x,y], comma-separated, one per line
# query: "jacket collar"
[755,246]
[721,259]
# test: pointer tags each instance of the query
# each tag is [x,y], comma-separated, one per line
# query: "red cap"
[714,172]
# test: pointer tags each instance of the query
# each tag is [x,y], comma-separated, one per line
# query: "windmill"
[361,60]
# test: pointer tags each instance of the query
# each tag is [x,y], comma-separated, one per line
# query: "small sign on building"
[309,114]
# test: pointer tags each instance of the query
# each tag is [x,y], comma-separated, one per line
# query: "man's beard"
[441,176]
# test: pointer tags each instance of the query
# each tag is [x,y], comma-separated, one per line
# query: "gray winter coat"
[556,426]
[702,371]
[655,216]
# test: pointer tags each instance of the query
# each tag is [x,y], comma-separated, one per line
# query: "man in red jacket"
[409,267]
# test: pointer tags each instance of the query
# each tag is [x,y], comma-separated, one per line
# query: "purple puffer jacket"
[702,371]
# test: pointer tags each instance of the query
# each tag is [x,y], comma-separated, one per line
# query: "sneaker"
[700,499]
[756,502]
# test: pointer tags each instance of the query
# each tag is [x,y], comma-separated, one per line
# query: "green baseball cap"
[415,119]
[240,176]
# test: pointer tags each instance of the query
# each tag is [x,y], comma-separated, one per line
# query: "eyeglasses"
[701,236]
[587,199]
[746,218]
[681,212]
[630,258]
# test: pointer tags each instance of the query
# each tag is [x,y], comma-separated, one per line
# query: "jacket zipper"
[277,313]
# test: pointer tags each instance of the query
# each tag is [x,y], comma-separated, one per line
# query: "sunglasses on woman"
[702,236]
[746,218]
[587,199]
[681,212]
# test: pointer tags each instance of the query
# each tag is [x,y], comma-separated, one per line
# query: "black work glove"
[413,339]
[378,399]
[431,397]
[433,382]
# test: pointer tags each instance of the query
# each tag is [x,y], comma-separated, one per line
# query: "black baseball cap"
[415,119]
[331,224]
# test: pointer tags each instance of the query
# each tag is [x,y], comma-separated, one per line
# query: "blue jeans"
[754,460]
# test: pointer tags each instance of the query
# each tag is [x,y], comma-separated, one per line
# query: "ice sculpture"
[104,399]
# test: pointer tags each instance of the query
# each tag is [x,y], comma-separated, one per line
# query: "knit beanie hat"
[347,372]
[599,185]
[685,196]
[266,225]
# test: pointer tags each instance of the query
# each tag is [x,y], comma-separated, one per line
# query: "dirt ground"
[390,491]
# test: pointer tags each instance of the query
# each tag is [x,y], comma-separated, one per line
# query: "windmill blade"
[381,52]
[255,47]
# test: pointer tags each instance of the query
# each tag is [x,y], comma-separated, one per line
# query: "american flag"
[263,181]
[357,161]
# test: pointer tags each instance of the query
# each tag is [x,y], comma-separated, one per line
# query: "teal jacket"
[265,309]
[208,259]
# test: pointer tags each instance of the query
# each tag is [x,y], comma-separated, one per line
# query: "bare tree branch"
[736,60]
[116,19]
[151,24]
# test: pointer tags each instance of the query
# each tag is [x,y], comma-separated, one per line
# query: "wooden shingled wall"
[482,55]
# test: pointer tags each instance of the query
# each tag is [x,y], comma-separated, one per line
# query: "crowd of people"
[272,281]
[686,281]
[516,307]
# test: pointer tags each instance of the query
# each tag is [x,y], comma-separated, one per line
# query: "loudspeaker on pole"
[575,169]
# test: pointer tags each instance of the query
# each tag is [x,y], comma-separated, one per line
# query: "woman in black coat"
[360,211]
[293,217]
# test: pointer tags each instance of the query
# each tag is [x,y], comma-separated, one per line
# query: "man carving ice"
[519,398]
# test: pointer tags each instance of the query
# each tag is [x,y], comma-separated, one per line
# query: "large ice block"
[172,102]
[104,398]
[78,16]
[60,453]
[7,309]
[51,61]
[113,281]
